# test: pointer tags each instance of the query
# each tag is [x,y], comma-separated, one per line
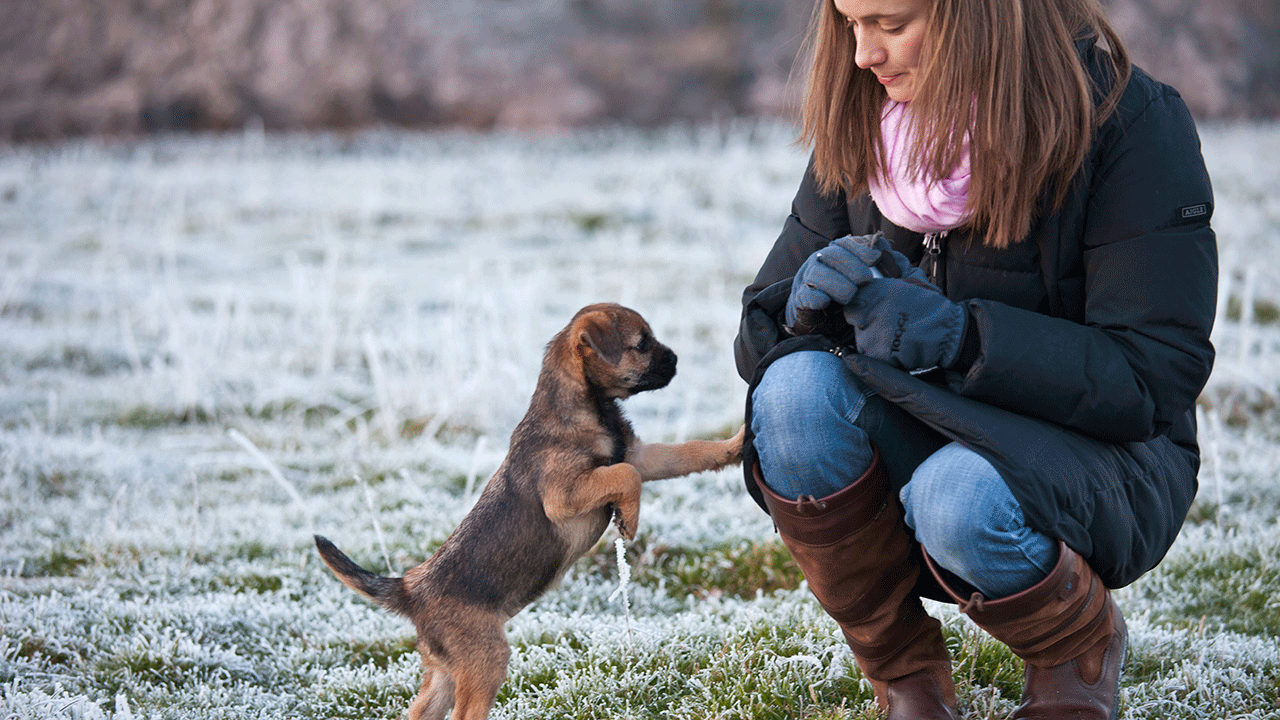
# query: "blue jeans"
[808,414]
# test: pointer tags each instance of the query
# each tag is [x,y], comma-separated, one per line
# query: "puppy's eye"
[645,343]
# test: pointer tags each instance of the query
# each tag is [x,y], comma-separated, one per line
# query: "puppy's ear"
[600,333]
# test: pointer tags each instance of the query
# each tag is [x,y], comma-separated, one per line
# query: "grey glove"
[829,276]
[876,252]
[907,322]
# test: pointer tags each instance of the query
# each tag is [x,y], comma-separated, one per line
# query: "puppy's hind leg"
[480,673]
[435,696]
[617,485]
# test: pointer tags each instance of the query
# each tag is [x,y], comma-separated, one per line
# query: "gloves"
[896,314]
[829,276]
[902,318]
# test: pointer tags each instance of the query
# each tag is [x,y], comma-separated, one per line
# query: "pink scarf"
[922,205]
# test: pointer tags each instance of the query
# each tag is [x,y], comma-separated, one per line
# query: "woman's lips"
[887,79]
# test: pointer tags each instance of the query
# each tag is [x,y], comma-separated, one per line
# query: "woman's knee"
[970,523]
[799,388]
[951,503]
[802,415]
[803,395]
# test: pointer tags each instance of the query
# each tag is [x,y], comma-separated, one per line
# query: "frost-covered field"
[211,348]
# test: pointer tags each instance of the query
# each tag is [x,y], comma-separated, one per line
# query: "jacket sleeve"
[1142,355]
[815,221]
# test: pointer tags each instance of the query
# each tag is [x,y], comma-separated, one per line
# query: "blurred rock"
[1220,54]
[70,67]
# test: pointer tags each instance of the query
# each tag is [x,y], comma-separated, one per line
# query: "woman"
[975,349]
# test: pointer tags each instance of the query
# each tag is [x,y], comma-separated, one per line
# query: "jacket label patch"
[1193,211]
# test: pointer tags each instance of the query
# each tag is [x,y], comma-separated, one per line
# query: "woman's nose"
[868,53]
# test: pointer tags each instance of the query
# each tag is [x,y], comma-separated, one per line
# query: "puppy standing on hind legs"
[573,465]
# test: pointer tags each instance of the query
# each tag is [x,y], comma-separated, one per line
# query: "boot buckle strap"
[818,505]
[975,603]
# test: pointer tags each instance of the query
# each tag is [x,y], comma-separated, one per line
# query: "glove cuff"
[970,345]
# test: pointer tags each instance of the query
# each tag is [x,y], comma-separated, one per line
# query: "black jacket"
[1093,331]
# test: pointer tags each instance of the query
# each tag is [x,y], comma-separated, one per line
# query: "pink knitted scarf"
[923,205]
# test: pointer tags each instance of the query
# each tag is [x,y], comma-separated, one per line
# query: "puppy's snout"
[664,364]
[662,367]
[666,360]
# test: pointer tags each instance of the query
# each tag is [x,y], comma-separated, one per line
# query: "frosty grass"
[211,348]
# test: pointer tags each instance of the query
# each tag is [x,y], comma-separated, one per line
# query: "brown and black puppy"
[574,464]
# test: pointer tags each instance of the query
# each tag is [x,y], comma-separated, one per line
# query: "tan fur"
[574,464]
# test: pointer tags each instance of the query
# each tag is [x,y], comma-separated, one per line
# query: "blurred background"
[84,67]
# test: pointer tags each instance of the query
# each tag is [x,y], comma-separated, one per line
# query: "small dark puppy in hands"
[573,465]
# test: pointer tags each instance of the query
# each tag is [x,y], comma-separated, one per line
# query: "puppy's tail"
[388,592]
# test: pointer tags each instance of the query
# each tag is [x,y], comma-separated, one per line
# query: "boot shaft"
[1056,620]
[1070,633]
[862,566]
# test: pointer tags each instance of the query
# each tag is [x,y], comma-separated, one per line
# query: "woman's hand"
[829,276]
[907,323]
[897,316]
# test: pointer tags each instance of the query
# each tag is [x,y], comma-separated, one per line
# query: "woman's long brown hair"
[1006,73]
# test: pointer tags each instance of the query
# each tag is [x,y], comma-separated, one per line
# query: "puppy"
[574,464]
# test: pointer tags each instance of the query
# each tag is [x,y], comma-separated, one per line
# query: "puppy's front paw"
[735,445]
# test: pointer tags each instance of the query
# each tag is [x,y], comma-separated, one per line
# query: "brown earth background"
[77,67]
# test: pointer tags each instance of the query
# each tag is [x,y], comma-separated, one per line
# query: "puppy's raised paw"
[734,448]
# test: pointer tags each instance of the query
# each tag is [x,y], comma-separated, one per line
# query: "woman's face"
[888,34]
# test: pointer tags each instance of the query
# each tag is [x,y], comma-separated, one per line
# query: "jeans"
[809,417]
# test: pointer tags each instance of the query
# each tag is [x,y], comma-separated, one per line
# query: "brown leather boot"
[857,557]
[1069,632]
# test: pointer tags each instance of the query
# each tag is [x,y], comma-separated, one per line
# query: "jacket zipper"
[932,261]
